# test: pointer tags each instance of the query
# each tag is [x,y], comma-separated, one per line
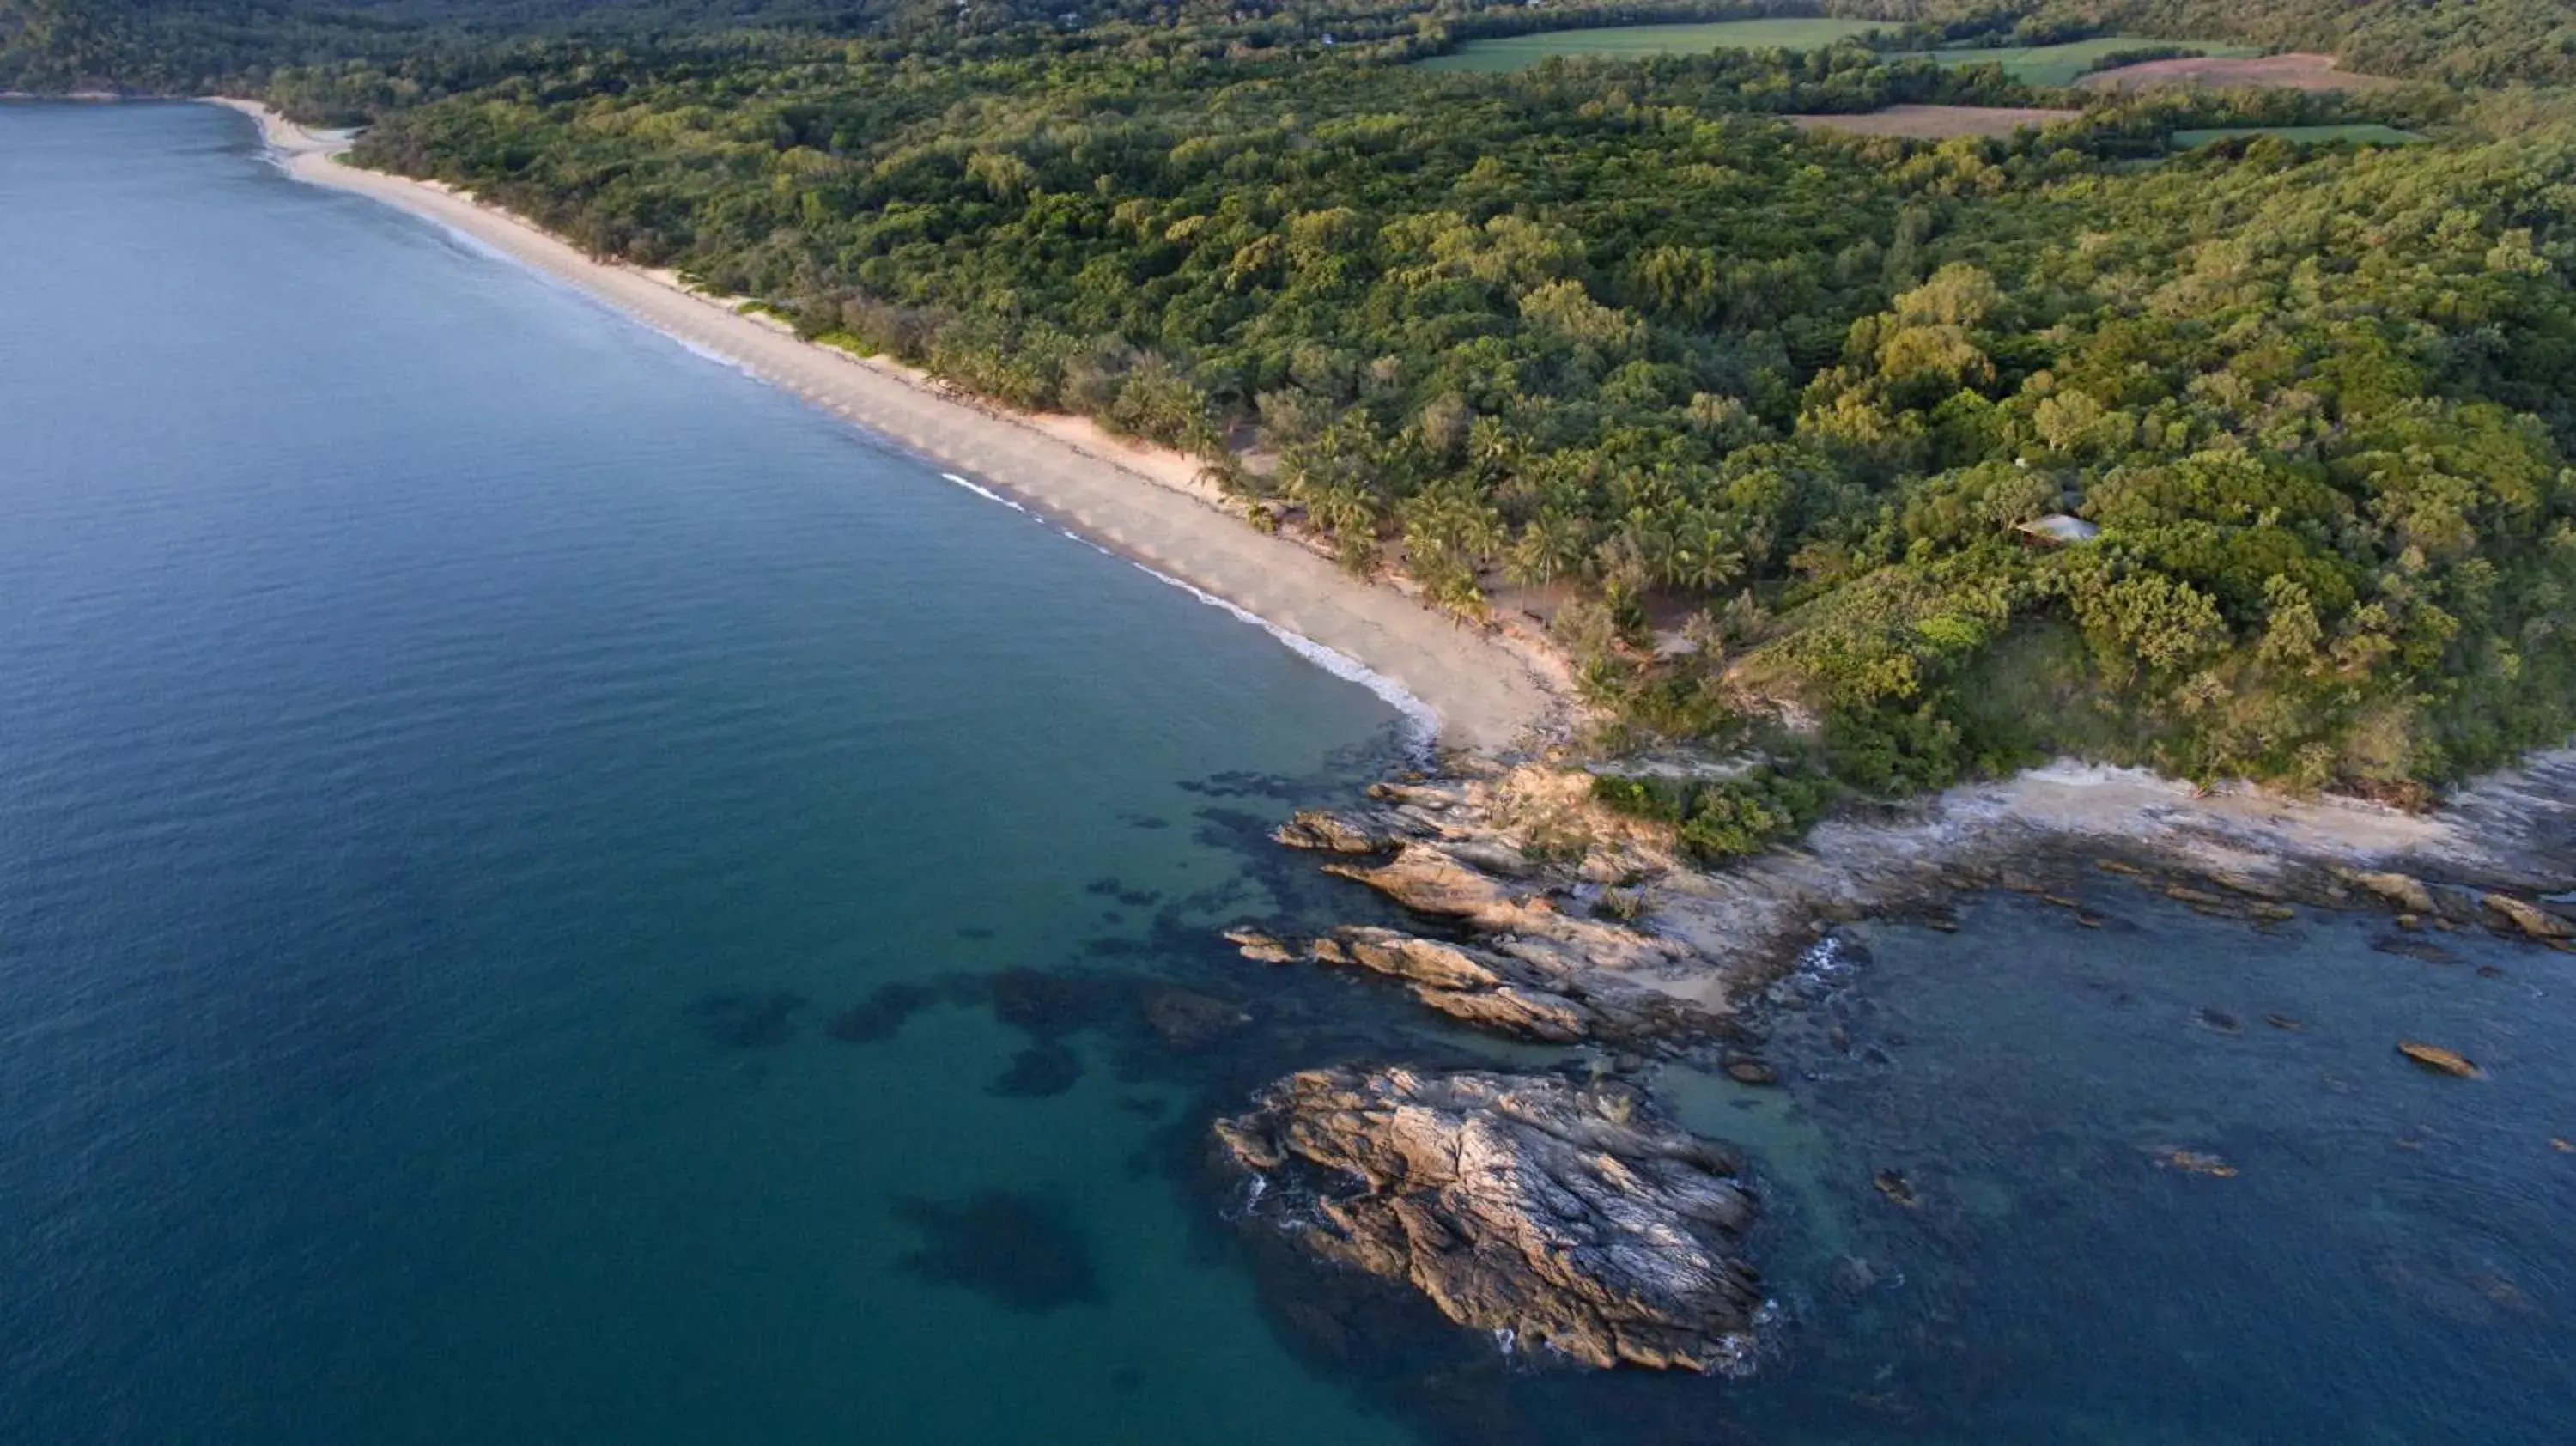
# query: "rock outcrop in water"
[1533,871]
[2460,904]
[1315,828]
[2439,1060]
[1553,1214]
[1544,994]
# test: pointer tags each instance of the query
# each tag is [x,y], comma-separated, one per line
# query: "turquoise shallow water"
[549,893]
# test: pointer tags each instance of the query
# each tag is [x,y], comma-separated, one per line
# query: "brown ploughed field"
[1932,122]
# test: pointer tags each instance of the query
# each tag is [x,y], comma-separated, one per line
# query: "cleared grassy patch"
[2034,695]
[2061,64]
[2365,135]
[1631,42]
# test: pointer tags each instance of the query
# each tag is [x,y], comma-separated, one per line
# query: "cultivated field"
[2062,64]
[2299,71]
[2030,64]
[1932,122]
[2368,135]
[1631,42]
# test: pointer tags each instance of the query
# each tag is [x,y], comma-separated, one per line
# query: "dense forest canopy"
[1758,411]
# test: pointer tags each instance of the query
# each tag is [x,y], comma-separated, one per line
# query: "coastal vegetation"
[1715,819]
[1755,417]
[1624,336]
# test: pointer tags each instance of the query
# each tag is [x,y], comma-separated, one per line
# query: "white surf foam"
[987,493]
[710,353]
[1421,724]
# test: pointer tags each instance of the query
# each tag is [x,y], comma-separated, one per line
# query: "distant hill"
[2474,42]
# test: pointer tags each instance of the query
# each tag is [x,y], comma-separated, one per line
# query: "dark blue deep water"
[443,729]
[549,893]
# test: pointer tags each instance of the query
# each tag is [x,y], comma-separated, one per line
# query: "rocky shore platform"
[1558,1209]
[1551,916]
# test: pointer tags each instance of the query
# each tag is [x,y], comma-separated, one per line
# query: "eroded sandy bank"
[1487,693]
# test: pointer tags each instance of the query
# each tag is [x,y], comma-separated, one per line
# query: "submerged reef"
[1008,1247]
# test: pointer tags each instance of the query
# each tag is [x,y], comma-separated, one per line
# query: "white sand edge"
[1479,691]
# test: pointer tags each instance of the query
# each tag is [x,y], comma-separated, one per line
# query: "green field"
[1632,42]
[2368,135]
[2030,64]
[2061,64]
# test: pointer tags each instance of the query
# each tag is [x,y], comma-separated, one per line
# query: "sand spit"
[1487,693]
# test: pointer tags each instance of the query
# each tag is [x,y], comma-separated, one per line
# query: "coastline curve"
[1452,684]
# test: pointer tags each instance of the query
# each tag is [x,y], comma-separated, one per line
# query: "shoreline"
[1454,684]
[1492,693]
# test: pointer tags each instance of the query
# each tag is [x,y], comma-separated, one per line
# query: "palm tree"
[1553,544]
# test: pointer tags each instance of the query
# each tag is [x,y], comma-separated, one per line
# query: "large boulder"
[2400,891]
[1260,946]
[1552,1214]
[1314,828]
[1428,880]
[2529,917]
[1520,988]
[1470,985]
[1422,961]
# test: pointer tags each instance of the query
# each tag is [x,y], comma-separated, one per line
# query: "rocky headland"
[1557,1215]
[1570,920]
[1559,1209]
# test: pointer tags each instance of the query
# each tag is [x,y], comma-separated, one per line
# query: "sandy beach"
[1484,693]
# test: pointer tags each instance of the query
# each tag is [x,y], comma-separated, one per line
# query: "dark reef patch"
[1010,1248]
[1243,783]
[1050,1003]
[881,1015]
[1188,1022]
[1040,1071]
[2421,950]
[1110,888]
